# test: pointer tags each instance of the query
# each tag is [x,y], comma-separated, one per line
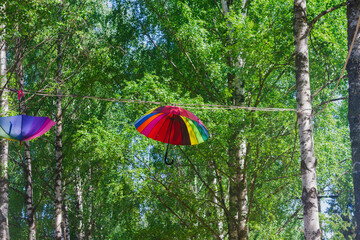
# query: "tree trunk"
[79,206]
[353,69]
[219,210]
[304,114]
[29,193]
[66,220]
[59,222]
[58,178]
[238,198]
[4,147]
[27,166]
[90,208]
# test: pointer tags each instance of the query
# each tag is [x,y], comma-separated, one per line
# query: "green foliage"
[177,52]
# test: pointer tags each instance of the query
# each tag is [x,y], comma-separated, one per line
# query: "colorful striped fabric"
[23,128]
[174,125]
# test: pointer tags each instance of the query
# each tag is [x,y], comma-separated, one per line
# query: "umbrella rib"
[159,129]
[167,147]
[6,132]
[164,140]
[172,121]
[185,139]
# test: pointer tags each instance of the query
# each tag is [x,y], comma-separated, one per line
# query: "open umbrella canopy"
[174,125]
[23,127]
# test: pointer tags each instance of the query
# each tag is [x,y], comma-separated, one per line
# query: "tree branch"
[221,200]
[325,85]
[287,221]
[172,32]
[312,23]
[18,191]
[192,211]
[170,209]
[331,100]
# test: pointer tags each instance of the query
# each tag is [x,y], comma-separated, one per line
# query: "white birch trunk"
[4,147]
[304,108]
[238,199]
[59,233]
[29,194]
[243,193]
[58,178]
[79,206]
[219,211]
[90,209]
[59,221]
[66,220]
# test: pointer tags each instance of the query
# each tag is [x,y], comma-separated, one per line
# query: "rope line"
[188,105]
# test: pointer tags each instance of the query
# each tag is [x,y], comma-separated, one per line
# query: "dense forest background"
[97,66]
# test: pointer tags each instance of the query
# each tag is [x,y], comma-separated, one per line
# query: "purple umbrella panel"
[23,128]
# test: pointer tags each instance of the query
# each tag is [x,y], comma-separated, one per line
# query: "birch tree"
[304,113]
[59,157]
[79,206]
[59,221]
[4,146]
[238,195]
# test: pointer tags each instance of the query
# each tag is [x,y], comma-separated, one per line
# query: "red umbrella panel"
[172,125]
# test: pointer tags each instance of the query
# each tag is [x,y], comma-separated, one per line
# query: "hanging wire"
[188,105]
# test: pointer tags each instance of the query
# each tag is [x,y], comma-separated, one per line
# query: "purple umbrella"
[23,128]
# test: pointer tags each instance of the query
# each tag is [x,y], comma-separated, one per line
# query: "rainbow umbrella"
[23,128]
[172,125]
